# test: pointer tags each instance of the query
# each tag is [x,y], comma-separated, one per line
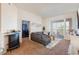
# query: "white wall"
[72,15]
[11,18]
[0,17]
[8,17]
[25,15]
[47,23]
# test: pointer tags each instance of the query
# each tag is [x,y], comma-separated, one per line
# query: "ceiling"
[49,9]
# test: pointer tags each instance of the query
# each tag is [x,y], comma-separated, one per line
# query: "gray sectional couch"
[40,38]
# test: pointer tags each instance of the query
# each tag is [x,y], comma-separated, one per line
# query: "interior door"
[25,28]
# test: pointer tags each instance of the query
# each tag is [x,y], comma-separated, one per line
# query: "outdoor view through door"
[60,28]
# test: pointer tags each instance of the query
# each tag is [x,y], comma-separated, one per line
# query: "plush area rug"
[61,48]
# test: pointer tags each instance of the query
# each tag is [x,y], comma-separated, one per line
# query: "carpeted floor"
[29,47]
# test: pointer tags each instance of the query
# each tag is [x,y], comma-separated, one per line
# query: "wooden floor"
[28,47]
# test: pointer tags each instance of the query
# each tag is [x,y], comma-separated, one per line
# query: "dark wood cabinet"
[13,41]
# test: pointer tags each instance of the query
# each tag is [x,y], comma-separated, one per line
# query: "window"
[60,27]
[57,27]
[67,26]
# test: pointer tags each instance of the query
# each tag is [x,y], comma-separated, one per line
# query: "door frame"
[28,28]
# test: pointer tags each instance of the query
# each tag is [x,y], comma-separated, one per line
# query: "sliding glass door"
[59,28]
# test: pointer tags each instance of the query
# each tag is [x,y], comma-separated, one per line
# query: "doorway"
[25,28]
[60,28]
